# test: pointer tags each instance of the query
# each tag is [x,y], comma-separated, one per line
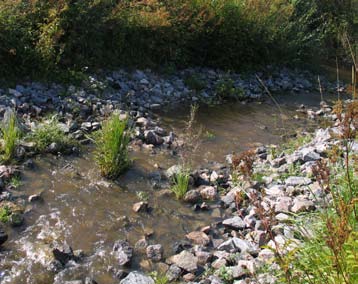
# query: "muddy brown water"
[78,206]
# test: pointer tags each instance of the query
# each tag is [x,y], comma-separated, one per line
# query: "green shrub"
[5,213]
[181,183]
[226,90]
[48,38]
[49,132]
[10,135]
[112,142]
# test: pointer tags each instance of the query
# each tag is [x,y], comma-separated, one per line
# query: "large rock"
[137,278]
[123,251]
[185,260]
[309,154]
[297,181]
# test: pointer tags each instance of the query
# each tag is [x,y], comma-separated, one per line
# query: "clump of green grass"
[159,278]
[10,134]
[112,142]
[50,132]
[15,181]
[5,213]
[226,90]
[180,183]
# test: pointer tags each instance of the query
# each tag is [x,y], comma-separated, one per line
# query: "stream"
[89,213]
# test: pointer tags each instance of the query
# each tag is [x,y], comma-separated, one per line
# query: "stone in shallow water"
[192,196]
[123,252]
[154,252]
[137,278]
[199,238]
[63,253]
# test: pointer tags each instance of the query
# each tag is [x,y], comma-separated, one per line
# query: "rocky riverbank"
[224,251]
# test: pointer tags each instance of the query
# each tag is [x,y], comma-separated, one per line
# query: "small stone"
[154,252]
[63,253]
[185,260]
[189,277]
[123,252]
[34,198]
[297,181]
[199,238]
[208,192]
[235,223]
[302,205]
[141,244]
[152,138]
[136,277]
[140,207]
[203,257]
[192,196]
[173,273]
[237,245]
[308,154]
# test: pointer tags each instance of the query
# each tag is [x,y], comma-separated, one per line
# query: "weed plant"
[112,143]
[180,183]
[159,278]
[49,132]
[329,250]
[5,213]
[10,134]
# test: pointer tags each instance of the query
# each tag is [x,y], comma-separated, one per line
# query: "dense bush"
[39,37]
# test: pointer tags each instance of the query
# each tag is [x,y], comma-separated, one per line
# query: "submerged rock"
[63,253]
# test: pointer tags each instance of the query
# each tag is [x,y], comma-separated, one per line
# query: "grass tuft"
[50,132]
[112,143]
[180,183]
[5,213]
[10,134]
